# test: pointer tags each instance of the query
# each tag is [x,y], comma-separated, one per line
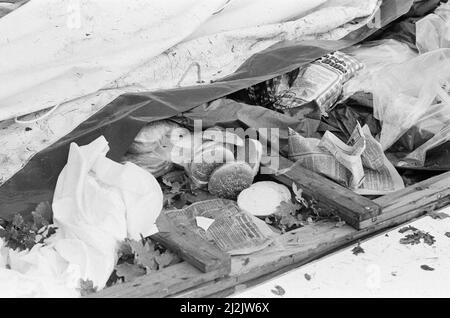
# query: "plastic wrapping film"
[123,118]
[405,28]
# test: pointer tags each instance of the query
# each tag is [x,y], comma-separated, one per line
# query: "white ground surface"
[385,269]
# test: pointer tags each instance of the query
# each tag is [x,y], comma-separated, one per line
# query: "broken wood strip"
[322,238]
[301,246]
[193,249]
[168,281]
[351,207]
[421,196]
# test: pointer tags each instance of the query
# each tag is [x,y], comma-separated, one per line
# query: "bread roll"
[281,188]
[263,198]
[151,136]
[228,180]
[153,164]
[211,156]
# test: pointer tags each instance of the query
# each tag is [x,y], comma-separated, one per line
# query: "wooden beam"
[421,197]
[169,281]
[193,249]
[299,247]
[322,238]
[351,207]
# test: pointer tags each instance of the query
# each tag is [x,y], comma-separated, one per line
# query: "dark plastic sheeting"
[123,118]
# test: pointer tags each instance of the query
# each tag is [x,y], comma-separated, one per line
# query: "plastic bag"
[375,56]
[403,93]
[433,31]
[98,203]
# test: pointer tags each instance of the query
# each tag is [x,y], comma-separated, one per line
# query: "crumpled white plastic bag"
[94,191]
[39,272]
[17,285]
[97,204]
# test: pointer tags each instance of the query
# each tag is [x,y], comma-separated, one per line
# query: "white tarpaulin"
[82,54]
[56,50]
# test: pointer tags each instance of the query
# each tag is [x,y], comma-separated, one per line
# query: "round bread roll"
[263,198]
[150,136]
[155,165]
[281,188]
[228,180]
[210,157]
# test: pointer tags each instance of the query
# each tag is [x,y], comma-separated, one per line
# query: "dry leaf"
[438,215]
[279,291]
[129,272]
[145,254]
[416,237]
[86,287]
[427,268]
[164,260]
[358,250]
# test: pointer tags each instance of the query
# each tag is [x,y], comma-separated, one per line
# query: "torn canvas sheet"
[239,14]
[217,55]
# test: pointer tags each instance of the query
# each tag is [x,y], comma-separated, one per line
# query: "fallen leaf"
[246,261]
[416,237]
[358,250]
[439,216]
[86,287]
[307,277]
[406,229]
[286,211]
[145,254]
[164,260]
[427,268]
[177,176]
[279,291]
[129,272]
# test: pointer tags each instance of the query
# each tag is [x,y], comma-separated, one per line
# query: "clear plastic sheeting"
[403,93]
[433,31]
[375,55]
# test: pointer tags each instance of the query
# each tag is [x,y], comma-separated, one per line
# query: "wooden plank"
[422,196]
[169,281]
[322,238]
[300,246]
[193,249]
[351,207]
